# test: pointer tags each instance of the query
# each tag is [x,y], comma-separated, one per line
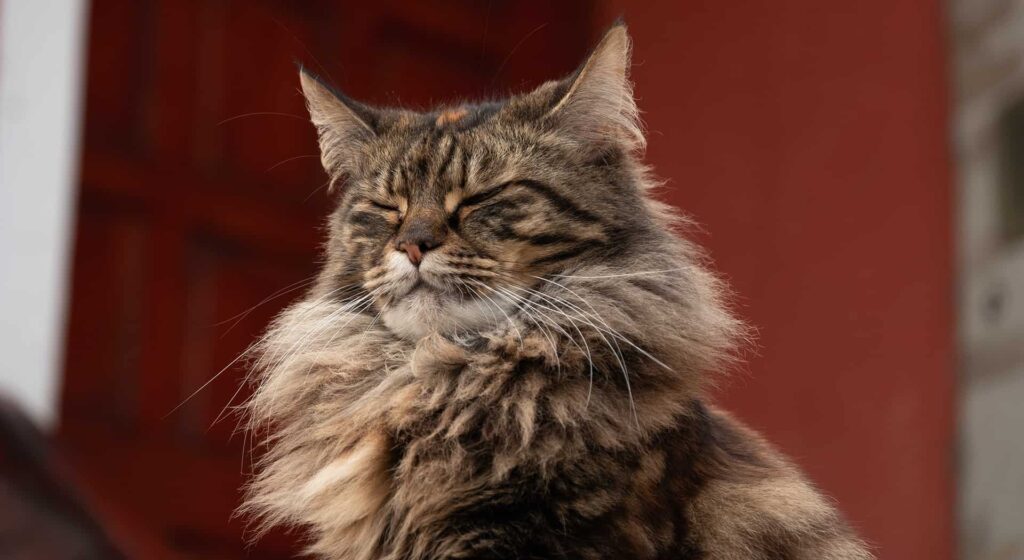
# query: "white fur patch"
[343,469]
[430,308]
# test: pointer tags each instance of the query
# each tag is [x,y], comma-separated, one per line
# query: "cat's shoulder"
[752,498]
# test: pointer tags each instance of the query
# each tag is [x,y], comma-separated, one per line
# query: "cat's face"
[449,218]
[451,228]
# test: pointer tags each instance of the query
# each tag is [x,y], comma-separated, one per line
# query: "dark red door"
[201,195]
[810,140]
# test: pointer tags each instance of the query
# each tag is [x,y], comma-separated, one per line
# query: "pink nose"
[419,235]
[414,251]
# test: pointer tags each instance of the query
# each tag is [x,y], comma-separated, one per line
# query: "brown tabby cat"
[506,353]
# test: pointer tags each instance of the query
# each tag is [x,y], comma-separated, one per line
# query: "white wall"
[988,55]
[42,54]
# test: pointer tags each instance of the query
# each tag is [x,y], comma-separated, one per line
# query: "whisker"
[498,307]
[239,389]
[293,158]
[554,348]
[584,349]
[475,292]
[262,114]
[623,275]
[260,341]
[355,313]
[605,323]
[320,301]
[612,343]
[287,289]
[316,190]
[300,345]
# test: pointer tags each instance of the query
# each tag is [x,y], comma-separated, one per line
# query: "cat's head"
[444,214]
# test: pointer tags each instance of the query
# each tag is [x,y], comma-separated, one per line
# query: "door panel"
[201,195]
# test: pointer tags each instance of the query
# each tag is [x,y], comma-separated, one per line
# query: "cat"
[507,352]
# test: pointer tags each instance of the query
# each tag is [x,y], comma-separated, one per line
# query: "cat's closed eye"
[470,203]
[480,197]
[383,206]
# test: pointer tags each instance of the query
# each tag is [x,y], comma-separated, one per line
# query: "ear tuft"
[598,103]
[342,124]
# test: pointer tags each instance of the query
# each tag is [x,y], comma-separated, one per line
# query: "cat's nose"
[415,248]
[419,237]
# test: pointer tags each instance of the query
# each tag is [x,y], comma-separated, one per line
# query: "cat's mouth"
[435,290]
[430,298]
[421,286]
[427,280]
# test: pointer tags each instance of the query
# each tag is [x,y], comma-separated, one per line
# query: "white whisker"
[624,274]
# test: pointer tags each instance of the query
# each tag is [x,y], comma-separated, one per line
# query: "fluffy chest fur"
[390,449]
[518,444]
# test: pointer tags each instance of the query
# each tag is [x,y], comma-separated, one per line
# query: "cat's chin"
[425,311]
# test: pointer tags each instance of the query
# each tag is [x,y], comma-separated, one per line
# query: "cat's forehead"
[463,116]
[449,148]
[469,115]
[429,160]
[452,117]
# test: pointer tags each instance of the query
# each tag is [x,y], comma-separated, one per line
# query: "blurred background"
[857,168]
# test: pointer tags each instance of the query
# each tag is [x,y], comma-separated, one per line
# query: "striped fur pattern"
[534,387]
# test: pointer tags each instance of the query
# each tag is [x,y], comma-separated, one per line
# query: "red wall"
[810,139]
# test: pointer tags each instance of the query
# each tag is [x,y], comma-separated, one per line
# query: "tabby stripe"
[422,163]
[401,178]
[557,200]
[485,159]
[549,239]
[482,196]
[421,168]
[540,240]
[504,209]
[398,165]
[652,287]
[562,255]
[389,183]
[443,167]
[453,220]
[364,221]
[464,174]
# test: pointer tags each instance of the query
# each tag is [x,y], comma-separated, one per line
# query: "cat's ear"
[597,104]
[343,125]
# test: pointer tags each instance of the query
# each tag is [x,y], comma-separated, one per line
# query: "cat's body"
[506,354]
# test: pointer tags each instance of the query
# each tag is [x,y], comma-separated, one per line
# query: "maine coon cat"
[506,353]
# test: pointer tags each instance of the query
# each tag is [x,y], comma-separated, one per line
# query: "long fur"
[573,422]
